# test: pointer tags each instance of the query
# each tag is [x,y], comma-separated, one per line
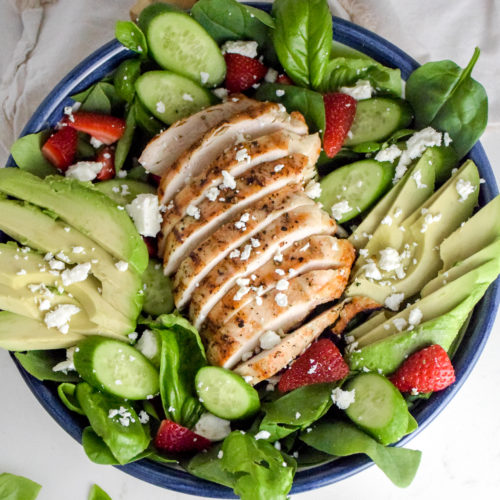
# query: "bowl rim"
[97,65]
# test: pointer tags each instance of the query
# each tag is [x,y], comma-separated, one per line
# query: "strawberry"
[105,128]
[106,156]
[151,244]
[322,362]
[427,370]
[339,115]
[242,72]
[284,79]
[155,178]
[60,148]
[174,438]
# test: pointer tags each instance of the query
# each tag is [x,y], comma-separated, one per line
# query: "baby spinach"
[208,465]
[131,36]
[125,142]
[342,439]
[27,153]
[66,392]
[97,493]
[124,78]
[145,120]
[99,98]
[39,364]
[14,487]
[445,97]
[303,39]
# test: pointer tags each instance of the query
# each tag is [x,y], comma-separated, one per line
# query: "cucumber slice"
[116,368]
[226,394]
[378,118]
[171,97]
[179,43]
[360,184]
[379,408]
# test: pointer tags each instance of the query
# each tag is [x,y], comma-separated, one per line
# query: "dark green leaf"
[27,153]
[125,77]
[158,298]
[40,364]
[146,120]
[343,439]
[137,173]
[131,36]
[97,493]
[94,100]
[209,466]
[303,39]
[125,142]
[66,392]
[14,487]
[84,149]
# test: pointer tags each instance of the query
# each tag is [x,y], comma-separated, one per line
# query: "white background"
[461,452]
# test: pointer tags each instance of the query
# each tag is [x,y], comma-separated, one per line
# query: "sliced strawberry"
[155,178]
[427,370]
[105,128]
[151,244]
[339,115]
[284,79]
[60,148]
[322,362]
[106,156]
[242,72]
[174,438]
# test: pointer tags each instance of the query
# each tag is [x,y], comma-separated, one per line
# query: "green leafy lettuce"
[40,365]
[27,153]
[97,493]
[14,487]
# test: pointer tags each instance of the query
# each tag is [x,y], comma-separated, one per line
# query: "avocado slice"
[123,191]
[19,269]
[88,210]
[29,225]
[19,333]
[367,326]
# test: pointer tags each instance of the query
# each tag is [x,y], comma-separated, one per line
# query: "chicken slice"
[270,361]
[355,306]
[235,161]
[164,149]
[261,119]
[246,189]
[279,311]
[272,240]
[228,237]
[310,254]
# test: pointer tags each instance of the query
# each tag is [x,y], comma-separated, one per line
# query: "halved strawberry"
[339,115]
[427,370]
[242,72]
[174,438]
[105,128]
[151,244]
[60,147]
[284,79]
[106,156]
[322,362]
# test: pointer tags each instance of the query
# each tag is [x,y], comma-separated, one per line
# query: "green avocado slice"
[123,191]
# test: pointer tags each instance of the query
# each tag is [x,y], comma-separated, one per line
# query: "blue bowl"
[106,59]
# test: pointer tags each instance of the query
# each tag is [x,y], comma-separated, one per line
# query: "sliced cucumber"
[226,394]
[171,97]
[377,119]
[379,408]
[360,184]
[116,368]
[179,43]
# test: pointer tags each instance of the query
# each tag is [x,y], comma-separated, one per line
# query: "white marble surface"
[460,448]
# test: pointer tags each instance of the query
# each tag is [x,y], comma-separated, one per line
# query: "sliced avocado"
[124,191]
[158,298]
[19,269]
[19,333]
[88,210]
[29,225]
[369,325]
[444,160]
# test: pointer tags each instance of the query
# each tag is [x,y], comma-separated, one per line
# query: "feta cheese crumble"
[213,428]
[60,317]
[228,180]
[393,301]
[281,299]
[78,273]
[213,193]
[313,189]
[121,265]
[148,344]
[343,399]
[271,75]
[269,339]
[464,189]
[84,170]
[282,285]
[415,316]
[242,47]
[280,93]
[145,212]
[193,211]
[388,154]
[160,107]
[262,435]
[361,90]
[340,208]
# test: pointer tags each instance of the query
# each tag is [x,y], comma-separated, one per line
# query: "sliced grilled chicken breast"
[226,345]
[270,361]
[355,306]
[249,187]
[272,240]
[235,161]
[164,149]
[230,236]
[261,119]
[310,254]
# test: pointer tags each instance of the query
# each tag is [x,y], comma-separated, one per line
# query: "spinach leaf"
[146,120]
[345,72]
[303,39]
[445,97]
[27,153]
[99,98]
[342,439]
[308,102]
[125,142]
[14,487]
[97,493]
[125,77]
[84,149]
[208,465]
[66,392]
[124,441]
[131,36]
[40,364]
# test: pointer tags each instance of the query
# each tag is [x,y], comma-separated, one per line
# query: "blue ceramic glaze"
[106,59]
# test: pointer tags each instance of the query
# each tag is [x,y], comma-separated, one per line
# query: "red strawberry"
[322,362]
[284,79]
[339,115]
[106,156]
[60,148]
[242,72]
[174,438]
[427,370]
[155,178]
[151,244]
[105,128]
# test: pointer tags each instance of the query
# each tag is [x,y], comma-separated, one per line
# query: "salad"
[247,250]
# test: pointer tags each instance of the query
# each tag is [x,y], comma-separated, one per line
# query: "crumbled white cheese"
[305,247]
[61,316]
[278,256]
[143,417]
[280,93]
[313,189]
[340,208]
[160,107]
[279,167]
[388,154]
[193,211]
[145,212]
[121,265]
[56,265]
[400,324]
[95,143]
[281,299]
[187,97]
[148,344]
[269,339]
[464,189]
[389,259]
[415,316]
[282,285]
[245,254]
[271,75]
[242,47]
[361,90]
[372,271]
[417,177]
[242,291]
[68,364]
[228,180]
[262,435]
[78,250]
[221,93]
[84,170]
[255,242]
[387,220]
[393,301]
[235,253]
[447,140]
[204,76]
[212,193]
[343,399]
[213,428]
[76,274]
